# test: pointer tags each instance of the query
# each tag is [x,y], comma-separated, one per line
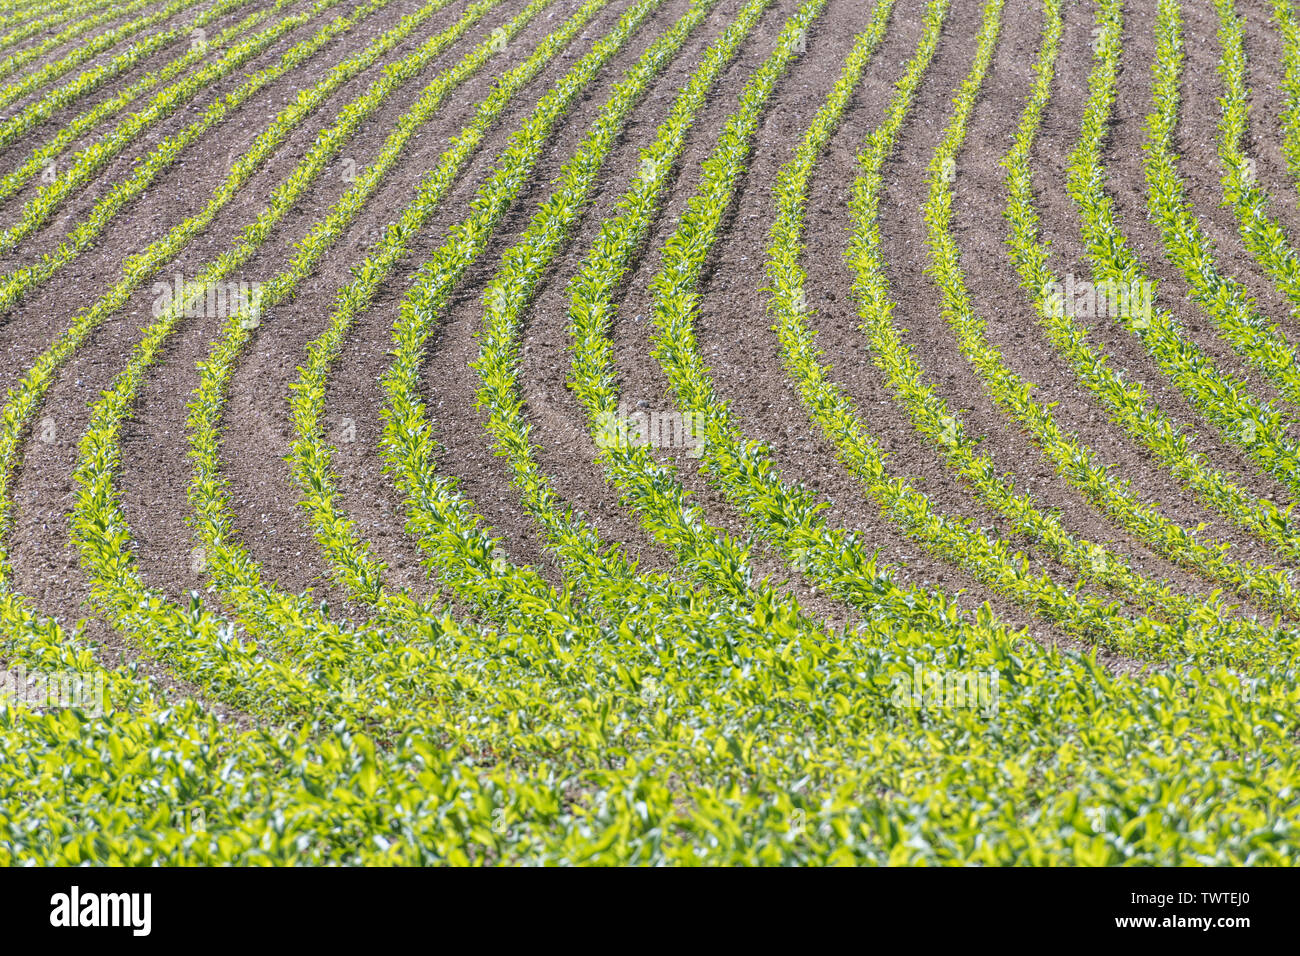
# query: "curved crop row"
[25,398]
[1222,399]
[97,518]
[233,571]
[1289,28]
[91,80]
[43,156]
[1261,232]
[1224,300]
[43,21]
[348,557]
[442,523]
[834,559]
[1073,460]
[705,553]
[628,718]
[596,568]
[100,529]
[346,554]
[743,470]
[1125,402]
[21,281]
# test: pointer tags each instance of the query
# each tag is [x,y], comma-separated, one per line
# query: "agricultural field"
[761,432]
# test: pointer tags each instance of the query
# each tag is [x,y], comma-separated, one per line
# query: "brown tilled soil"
[1060,226]
[57,52]
[450,397]
[734,329]
[45,563]
[1129,188]
[20,150]
[110,88]
[257,416]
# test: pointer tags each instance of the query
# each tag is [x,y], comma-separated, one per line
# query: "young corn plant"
[20,282]
[52,71]
[43,157]
[1224,300]
[1126,403]
[1222,399]
[445,529]
[93,79]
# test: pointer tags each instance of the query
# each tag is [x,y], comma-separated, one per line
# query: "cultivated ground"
[639,431]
